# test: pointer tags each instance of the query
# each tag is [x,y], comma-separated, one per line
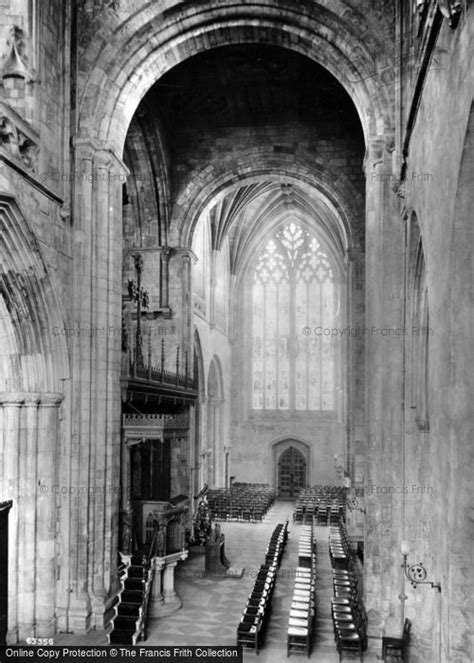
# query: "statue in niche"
[202,523]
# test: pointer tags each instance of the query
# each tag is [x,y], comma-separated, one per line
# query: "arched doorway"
[291,472]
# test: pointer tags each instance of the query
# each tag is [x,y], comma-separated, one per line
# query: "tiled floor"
[212,607]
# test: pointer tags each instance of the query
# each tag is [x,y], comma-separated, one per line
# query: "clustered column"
[28,453]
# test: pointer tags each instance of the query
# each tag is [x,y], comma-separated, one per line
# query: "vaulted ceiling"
[248,214]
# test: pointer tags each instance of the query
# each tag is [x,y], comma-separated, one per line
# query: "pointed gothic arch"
[33,368]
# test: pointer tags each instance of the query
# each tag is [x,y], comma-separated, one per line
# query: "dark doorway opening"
[4,510]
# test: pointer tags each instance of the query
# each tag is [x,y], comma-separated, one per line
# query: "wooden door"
[291,472]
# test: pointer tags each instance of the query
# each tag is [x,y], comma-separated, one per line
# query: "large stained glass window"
[293,292]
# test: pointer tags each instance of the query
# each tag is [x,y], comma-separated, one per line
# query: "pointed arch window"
[293,289]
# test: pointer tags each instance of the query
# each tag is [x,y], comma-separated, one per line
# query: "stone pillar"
[12,404]
[44,559]
[29,466]
[28,494]
[187,307]
[164,600]
[156,599]
[94,455]
[356,383]
[170,598]
[384,387]
[164,288]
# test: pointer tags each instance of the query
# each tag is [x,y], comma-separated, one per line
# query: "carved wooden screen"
[150,464]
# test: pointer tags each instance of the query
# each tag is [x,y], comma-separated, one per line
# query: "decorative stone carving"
[16,63]
[451,10]
[162,421]
[29,153]
[9,136]
[126,532]
[95,7]
[22,147]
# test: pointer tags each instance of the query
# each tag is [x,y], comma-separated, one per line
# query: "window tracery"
[293,289]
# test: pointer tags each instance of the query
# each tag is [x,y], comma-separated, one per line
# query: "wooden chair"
[397,647]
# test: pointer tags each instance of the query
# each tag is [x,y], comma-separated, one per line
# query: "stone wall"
[417,476]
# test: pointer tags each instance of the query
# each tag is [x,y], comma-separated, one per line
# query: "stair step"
[134,583]
[135,572]
[126,623]
[137,560]
[118,637]
[132,596]
[131,609]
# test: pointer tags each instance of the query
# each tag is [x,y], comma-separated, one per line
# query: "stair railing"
[149,573]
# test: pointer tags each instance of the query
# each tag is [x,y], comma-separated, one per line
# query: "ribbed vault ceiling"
[248,214]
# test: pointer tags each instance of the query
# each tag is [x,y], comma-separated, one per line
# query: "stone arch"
[231,172]
[123,68]
[34,355]
[33,364]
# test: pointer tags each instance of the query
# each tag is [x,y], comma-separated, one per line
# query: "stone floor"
[212,607]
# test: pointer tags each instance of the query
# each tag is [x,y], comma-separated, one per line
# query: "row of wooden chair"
[253,624]
[325,513]
[348,612]
[325,503]
[302,611]
[339,550]
[242,502]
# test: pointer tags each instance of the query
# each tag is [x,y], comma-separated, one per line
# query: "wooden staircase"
[130,611]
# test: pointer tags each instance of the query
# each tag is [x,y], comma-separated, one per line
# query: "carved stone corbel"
[16,63]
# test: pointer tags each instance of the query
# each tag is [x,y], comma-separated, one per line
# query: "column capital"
[159,563]
[14,398]
[378,147]
[99,152]
[186,253]
[51,399]
[30,398]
